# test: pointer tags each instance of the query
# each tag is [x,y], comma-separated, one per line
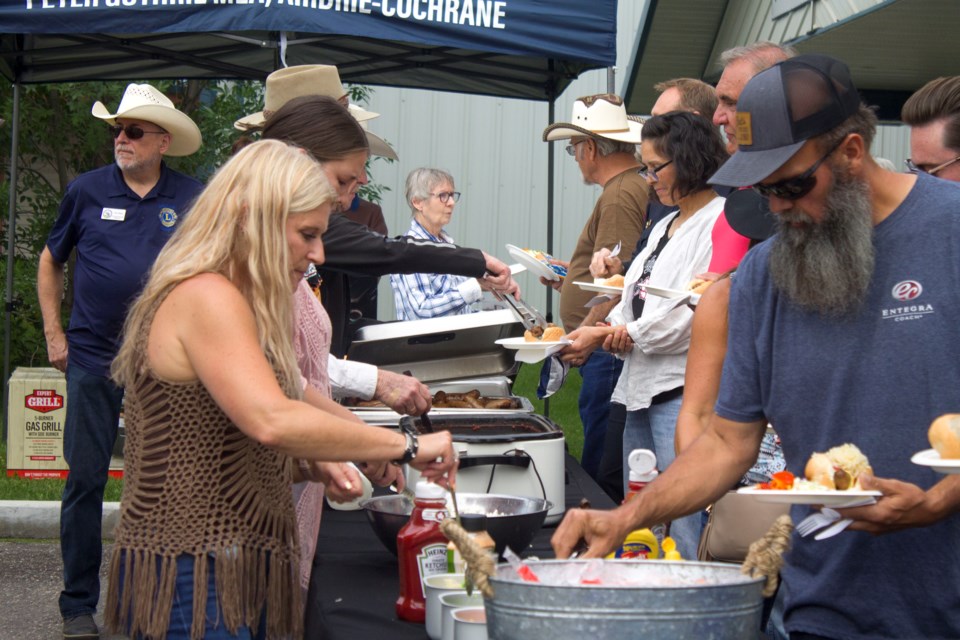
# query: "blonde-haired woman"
[206,544]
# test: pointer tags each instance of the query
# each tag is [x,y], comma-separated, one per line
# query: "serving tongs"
[528,315]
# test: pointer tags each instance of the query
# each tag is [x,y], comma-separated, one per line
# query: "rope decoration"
[765,556]
[480,566]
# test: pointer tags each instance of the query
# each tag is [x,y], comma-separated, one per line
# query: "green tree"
[59,139]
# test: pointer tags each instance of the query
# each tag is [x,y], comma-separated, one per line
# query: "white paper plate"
[517,268]
[599,288]
[535,266]
[663,292]
[930,458]
[530,352]
[825,497]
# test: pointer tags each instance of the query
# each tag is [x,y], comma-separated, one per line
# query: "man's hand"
[603,266]
[403,394]
[601,531]
[902,506]
[583,342]
[57,350]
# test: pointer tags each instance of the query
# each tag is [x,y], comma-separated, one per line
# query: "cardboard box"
[36,414]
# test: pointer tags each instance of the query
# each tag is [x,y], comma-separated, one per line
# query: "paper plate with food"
[831,479]
[537,262]
[537,344]
[944,435]
[664,292]
[612,285]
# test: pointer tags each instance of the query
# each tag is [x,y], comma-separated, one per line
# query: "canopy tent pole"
[551,112]
[611,79]
[11,236]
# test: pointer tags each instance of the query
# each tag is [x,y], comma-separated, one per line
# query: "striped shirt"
[430,295]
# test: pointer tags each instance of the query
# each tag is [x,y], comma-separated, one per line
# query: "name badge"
[113,214]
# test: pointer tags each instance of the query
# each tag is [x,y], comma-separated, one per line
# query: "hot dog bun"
[698,285]
[839,468]
[944,435]
[552,334]
[614,281]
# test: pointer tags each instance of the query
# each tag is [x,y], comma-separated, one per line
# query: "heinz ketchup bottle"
[421,549]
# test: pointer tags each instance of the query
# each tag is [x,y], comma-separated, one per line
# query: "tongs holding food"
[528,315]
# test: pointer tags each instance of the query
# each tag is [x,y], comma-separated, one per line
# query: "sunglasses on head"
[133,131]
[798,186]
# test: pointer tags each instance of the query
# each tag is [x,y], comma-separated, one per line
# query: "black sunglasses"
[798,186]
[133,131]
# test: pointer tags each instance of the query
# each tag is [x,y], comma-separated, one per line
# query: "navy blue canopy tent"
[529,49]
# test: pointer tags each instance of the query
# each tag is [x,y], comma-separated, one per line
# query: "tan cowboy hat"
[601,115]
[286,84]
[378,146]
[144,102]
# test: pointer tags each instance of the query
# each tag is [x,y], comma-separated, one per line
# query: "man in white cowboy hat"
[602,141]
[352,247]
[117,217]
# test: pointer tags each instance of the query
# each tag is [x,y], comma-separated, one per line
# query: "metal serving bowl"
[512,521]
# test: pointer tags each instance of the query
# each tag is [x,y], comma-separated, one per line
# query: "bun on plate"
[944,435]
[614,281]
[839,468]
[699,285]
[551,334]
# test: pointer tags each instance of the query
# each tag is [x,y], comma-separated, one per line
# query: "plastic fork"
[616,250]
[816,521]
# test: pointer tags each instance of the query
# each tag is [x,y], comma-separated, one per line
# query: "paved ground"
[30,581]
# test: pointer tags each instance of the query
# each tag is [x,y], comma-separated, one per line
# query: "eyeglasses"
[445,196]
[650,173]
[133,131]
[572,148]
[917,169]
[798,186]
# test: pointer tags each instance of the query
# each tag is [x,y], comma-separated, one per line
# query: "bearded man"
[842,329]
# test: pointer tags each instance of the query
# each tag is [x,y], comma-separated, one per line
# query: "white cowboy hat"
[286,84]
[144,102]
[600,115]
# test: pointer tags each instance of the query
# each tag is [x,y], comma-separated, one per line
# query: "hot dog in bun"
[839,468]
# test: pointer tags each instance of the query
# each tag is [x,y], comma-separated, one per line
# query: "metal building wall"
[494,150]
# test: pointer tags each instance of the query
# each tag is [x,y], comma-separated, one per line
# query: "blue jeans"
[181,613]
[93,410]
[600,374]
[654,428]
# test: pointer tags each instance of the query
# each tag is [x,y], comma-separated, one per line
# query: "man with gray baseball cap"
[842,329]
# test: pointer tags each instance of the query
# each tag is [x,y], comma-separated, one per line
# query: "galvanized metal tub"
[703,600]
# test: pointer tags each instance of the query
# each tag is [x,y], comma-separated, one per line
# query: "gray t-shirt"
[876,379]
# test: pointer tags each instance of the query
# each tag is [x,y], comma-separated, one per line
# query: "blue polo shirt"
[117,235]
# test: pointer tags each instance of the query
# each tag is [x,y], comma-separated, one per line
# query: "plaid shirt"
[430,295]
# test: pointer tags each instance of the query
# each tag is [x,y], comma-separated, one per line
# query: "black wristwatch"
[412,445]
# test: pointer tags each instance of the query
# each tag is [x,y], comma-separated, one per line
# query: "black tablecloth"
[355,580]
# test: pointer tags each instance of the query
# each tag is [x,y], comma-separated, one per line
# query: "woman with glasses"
[652,333]
[432,198]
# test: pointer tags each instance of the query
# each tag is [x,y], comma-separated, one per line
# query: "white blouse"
[661,335]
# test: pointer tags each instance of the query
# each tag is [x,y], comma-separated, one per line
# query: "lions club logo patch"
[168,217]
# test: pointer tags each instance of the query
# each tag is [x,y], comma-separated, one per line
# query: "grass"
[12,488]
[563,404]
[562,410]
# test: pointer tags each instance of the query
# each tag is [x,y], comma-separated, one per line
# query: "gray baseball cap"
[781,108]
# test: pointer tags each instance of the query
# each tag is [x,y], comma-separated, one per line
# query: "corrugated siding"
[494,149]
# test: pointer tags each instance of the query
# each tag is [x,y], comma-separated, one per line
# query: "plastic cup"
[470,623]
[451,601]
[433,587]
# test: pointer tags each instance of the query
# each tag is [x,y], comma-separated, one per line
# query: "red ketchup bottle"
[421,549]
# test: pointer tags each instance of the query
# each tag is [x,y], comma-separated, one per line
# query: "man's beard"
[827,267]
